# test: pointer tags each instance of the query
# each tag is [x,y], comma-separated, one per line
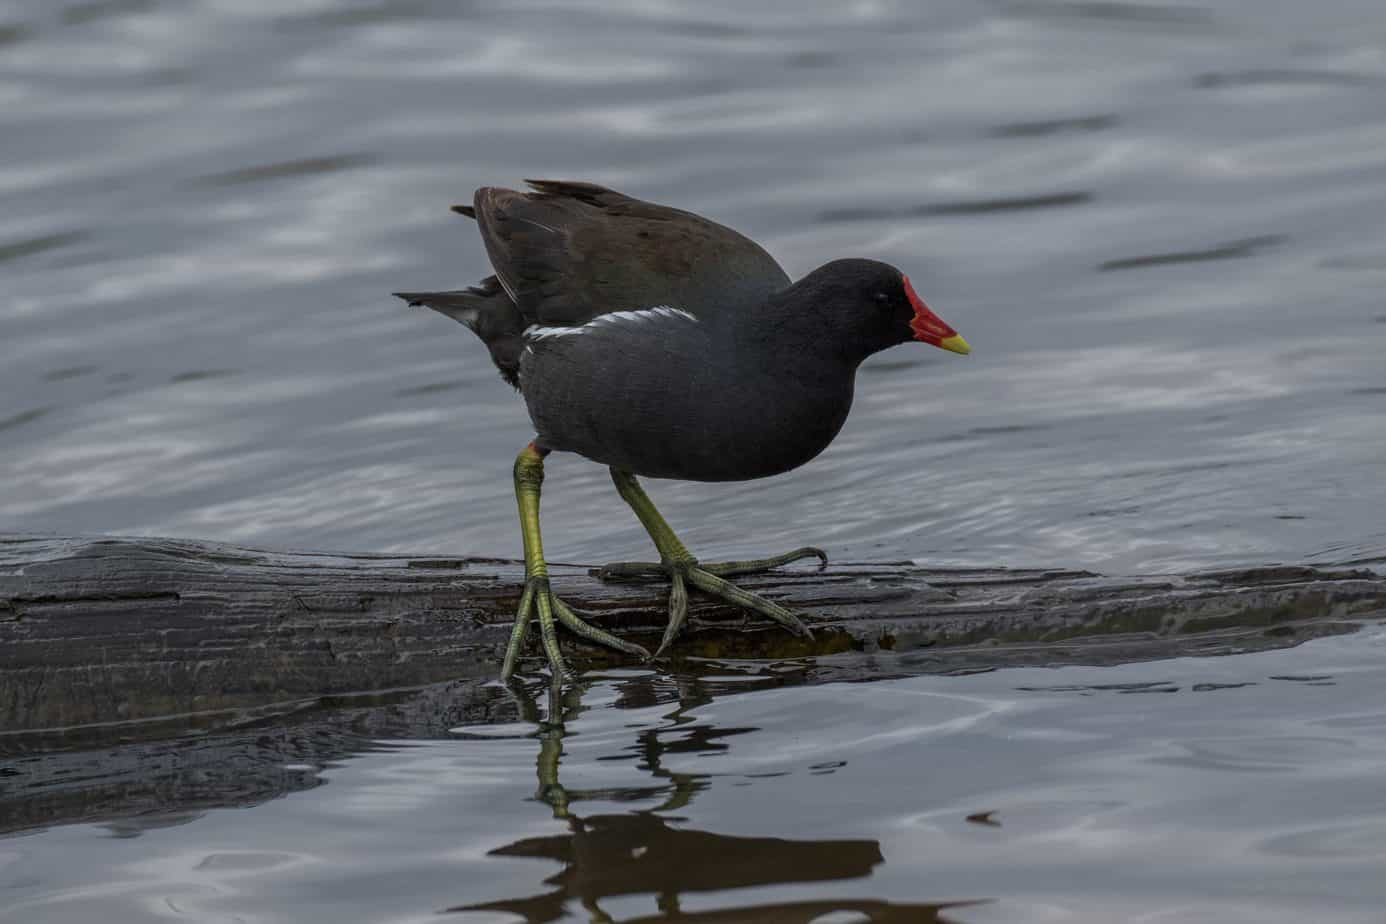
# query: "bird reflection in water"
[645,852]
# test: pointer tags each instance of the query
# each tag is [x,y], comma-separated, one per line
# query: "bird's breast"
[685,407]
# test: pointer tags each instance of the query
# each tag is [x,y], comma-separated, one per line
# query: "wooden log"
[103,630]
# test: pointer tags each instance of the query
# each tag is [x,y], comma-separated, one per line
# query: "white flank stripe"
[614,319]
[535,332]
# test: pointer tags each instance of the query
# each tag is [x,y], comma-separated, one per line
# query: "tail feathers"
[462,305]
[489,313]
[572,189]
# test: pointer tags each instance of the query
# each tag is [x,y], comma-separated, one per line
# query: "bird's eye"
[881,298]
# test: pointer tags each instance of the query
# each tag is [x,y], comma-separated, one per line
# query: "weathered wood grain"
[100,630]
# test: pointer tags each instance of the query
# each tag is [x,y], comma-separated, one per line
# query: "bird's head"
[867,306]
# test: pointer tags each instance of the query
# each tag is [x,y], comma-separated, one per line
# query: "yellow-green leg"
[679,566]
[537,599]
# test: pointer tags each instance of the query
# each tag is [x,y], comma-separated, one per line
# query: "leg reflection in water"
[642,852]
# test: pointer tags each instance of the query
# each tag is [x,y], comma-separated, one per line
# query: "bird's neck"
[798,331]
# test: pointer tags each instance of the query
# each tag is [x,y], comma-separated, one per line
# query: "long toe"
[574,623]
[708,578]
[710,583]
[678,611]
[523,613]
[538,601]
[757,565]
[648,572]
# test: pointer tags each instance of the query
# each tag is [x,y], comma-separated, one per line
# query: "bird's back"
[569,252]
[565,253]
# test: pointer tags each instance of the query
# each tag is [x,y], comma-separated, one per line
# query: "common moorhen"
[660,343]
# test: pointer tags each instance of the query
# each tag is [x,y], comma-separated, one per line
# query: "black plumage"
[661,343]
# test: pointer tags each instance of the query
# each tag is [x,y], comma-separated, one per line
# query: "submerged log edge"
[102,630]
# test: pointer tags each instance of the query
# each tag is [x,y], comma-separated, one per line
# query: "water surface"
[1160,225]
[1232,789]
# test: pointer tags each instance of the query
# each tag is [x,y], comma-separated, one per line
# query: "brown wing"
[567,252]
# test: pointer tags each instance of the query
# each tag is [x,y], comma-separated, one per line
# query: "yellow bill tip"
[955,344]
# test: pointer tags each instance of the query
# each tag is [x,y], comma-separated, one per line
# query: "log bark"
[117,630]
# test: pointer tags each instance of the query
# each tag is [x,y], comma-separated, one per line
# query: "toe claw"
[678,611]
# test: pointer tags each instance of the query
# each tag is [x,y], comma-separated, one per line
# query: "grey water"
[1222,790]
[1162,227]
